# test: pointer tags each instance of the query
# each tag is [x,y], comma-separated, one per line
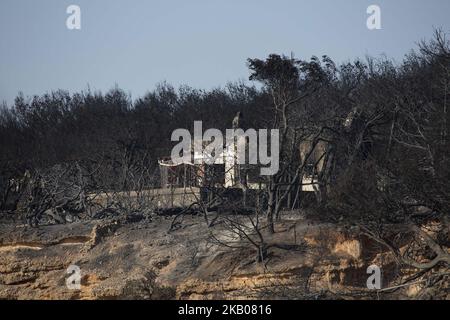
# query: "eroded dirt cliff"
[142,260]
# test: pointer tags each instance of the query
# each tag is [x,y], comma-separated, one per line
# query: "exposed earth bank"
[142,260]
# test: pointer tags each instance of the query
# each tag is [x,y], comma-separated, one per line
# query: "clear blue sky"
[202,43]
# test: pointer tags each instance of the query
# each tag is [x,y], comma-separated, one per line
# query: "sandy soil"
[142,260]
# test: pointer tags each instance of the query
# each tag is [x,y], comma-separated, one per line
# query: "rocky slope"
[142,260]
